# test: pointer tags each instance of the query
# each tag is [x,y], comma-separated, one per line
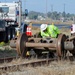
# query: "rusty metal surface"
[43,48]
[35,39]
[60,44]
[23,42]
[69,45]
[13,43]
[49,45]
[41,39]
[34,63]
[20,44]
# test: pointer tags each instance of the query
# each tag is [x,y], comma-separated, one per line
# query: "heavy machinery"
[39,45]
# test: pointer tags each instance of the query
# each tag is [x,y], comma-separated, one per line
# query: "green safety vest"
[51,31]
[44,34]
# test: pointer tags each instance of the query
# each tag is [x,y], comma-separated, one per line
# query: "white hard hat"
[43,27]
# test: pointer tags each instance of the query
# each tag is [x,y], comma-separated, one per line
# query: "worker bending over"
[49,31]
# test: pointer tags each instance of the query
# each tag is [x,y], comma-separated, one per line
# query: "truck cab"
[9,11]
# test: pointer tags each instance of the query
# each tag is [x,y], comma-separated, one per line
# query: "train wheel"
[61,53]
[20,45]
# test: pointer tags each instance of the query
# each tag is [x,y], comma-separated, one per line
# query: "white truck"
[9,14]
[9,11]
[10,19]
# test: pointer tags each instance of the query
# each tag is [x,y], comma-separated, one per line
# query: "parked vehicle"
[7,30]
[9,11]
[9,20]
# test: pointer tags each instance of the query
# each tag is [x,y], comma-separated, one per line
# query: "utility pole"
[64,11]
[46,9]
[51,7]
[52,11]
[20,12]
[24,8]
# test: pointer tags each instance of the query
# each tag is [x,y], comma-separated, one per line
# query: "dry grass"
[65,31]
[55,68]
[50,21]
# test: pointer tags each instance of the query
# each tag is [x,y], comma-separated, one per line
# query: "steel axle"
[60,44]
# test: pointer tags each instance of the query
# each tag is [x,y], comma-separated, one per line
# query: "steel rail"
[33,63]
[7,59]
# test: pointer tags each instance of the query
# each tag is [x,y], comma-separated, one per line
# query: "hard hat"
[43,27]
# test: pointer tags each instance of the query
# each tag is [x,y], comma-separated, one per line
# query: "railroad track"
[8,65]
[33,63]
[7,59]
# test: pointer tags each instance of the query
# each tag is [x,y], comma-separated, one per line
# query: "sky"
[45,6]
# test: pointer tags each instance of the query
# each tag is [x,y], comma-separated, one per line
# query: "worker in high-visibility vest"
[49,31]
